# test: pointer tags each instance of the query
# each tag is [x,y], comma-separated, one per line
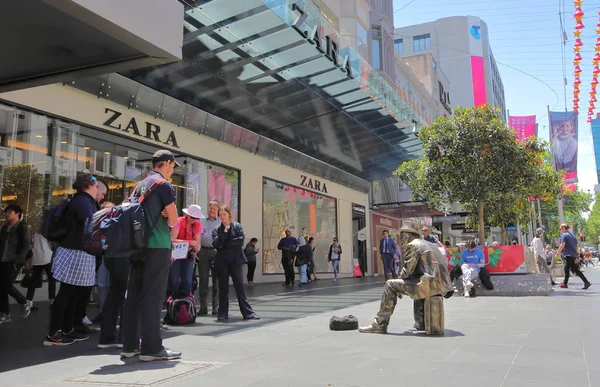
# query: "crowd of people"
[132,287]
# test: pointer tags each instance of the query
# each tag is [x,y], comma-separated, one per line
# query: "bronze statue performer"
[424,274]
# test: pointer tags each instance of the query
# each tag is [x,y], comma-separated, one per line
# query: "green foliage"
[473,158]
[575,205]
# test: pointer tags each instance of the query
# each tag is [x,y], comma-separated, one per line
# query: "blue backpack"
[120,230]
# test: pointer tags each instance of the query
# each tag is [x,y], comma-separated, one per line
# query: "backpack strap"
[149,191]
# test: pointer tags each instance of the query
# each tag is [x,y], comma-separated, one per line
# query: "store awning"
[244,62]
[44,41]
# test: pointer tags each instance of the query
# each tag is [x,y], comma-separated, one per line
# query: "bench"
[434,316]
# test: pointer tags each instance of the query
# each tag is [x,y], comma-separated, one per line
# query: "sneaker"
[114,343]
[587,285]
[467,295]
[165,354]
[5,318]
[58,340]
[86,321]
[129,354]
[563,285]
[26,309]
[215,311]
[202,311]
[77,336]
[85,330]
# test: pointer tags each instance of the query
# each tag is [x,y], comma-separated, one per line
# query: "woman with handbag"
[228,240]
[304,258]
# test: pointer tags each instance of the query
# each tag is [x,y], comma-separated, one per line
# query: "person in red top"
[181,272]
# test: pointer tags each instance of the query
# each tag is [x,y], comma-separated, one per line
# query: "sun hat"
[194,211]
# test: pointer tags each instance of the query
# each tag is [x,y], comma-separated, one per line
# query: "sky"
[526,35]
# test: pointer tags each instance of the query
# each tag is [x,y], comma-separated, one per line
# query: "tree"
[474,159]
[592,225]
[575,205]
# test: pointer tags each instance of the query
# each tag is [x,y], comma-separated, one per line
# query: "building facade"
[273,109]
[460,45]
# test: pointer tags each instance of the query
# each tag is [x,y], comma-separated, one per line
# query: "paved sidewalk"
[490,341]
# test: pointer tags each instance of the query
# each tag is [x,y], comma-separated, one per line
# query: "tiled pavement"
[489,341]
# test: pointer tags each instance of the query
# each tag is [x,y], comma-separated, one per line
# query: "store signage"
[385,222]
[439,219]
[358,209]
[444,98]
[313,184]
[325,45]
[457,226]
[152,131]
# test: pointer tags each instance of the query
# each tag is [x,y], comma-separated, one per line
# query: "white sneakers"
[27,309]
[86,321]
[467,295]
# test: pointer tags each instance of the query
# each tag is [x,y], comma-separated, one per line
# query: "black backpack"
[55,226]
[346,323]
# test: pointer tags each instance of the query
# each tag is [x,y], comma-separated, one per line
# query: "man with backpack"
[150,268]
[15,246]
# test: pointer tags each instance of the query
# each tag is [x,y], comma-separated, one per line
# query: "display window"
[305,214]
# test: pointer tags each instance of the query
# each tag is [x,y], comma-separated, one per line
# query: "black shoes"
[215,311]
[253,316]
[587,285]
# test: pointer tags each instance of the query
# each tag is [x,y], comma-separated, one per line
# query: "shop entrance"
[359,240]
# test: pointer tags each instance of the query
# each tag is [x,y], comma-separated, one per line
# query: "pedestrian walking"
[206,261]
[149,272]
[250,251]
[228,240]
[288,247]
[540,253]
[334,256]
[41,261]
[15,243]
[387,249]
[568,251]
[73,267]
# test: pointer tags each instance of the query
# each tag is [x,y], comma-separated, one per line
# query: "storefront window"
[305,213]
[40,158]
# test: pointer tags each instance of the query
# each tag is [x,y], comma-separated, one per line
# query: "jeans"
[468,273]
[118,272]
[37,272]
[226,269]
[8,274]
[180,277]
[103,283]
[303,276]
[288,269]
[335,264]
[251,268]
[62,314]
[206,259]
[388,264]
[146,291]
[571,265]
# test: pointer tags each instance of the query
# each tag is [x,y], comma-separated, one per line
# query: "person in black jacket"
[72,267]
[15,244]
[228,240]
[305,257]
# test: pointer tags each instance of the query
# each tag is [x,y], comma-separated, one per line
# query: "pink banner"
[523,125]
[478,74]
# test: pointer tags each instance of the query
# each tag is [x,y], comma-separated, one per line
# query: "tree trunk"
[481,222]
[503,234]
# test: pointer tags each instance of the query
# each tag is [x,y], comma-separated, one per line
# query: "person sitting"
[470,265]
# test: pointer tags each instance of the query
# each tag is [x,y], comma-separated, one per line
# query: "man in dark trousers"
[206,261]
[150,268]
[15,244]
[288,247]
[568,248]
[387,249]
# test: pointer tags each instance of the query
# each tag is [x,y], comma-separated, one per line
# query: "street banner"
[563,136]
[524,126]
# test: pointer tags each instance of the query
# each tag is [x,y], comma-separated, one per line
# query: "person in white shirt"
[539,252]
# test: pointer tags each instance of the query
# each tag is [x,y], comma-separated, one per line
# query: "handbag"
[28,281]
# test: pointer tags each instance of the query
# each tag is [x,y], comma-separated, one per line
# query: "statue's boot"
[374,328]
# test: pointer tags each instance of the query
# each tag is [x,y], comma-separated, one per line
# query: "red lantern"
[592,106]
[578,13]
[579,58]
[578,81]
[578,70]
[594,81]
[589,120]
[579,25]
[593,99]
[576,99]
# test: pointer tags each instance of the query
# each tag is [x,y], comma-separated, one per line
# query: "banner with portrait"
[523,125]
[563,136]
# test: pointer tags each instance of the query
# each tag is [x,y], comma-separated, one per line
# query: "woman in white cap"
[188,228]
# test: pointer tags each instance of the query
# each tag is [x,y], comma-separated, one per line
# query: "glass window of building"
[40,157]
[399,46]
[305,213]
[421,42]
[362,37]
[376,59]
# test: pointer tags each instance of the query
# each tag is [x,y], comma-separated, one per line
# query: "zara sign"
[325,45]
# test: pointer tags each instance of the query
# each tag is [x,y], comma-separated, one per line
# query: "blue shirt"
[291,243]
[570,249]
[208,225]
[474,257]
